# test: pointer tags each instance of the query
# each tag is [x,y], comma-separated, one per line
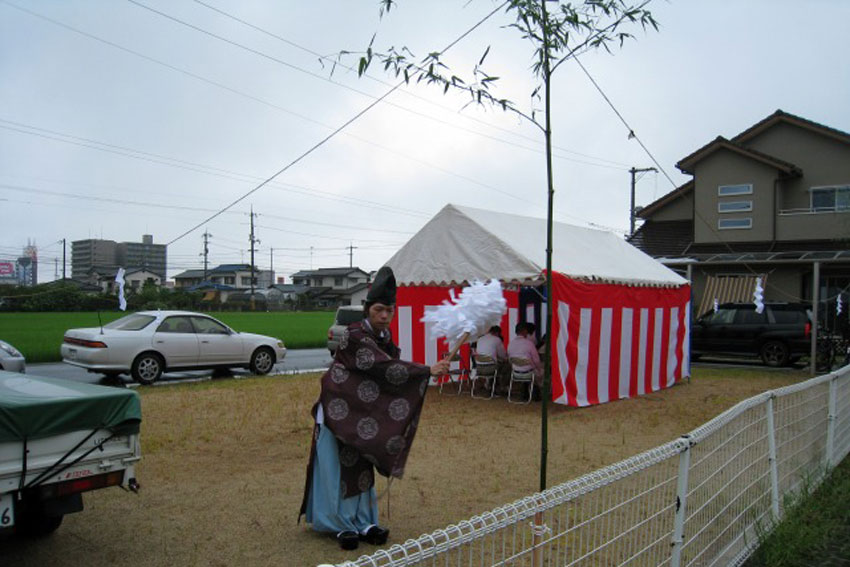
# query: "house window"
[246,281]
[834,198]
[742,189]
[734,206]
[337,282]
[728,224]
[229,280]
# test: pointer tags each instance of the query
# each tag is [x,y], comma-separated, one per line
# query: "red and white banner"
[610,341]
[414,337]
[615,341]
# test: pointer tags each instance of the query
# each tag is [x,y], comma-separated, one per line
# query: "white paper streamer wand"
[471,314]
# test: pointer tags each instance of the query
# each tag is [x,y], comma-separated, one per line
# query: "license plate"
[7,511]
[72,353]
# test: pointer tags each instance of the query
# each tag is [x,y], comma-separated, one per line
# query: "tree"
[556,37]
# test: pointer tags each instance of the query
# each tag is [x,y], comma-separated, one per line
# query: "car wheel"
[774,353]
[147,368]
[262,361]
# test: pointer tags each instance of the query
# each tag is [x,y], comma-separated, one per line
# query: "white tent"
[461,244]
[620,319]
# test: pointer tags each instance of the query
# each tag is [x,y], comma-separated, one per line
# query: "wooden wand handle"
[453,352]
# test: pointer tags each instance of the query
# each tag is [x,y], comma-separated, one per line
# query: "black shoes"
[348,540]
[376,535]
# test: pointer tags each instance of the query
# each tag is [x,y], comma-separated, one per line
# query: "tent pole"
[547,364]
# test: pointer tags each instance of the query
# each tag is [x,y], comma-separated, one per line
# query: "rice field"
[39,335]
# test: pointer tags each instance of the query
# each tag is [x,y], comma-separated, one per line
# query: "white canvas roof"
[462,244]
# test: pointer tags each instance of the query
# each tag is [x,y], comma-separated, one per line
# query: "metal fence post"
[830,424]
[771,459]
[681,501]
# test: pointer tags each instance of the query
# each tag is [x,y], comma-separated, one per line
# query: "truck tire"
[147,368]
[774,353]
[262,361]
[35,523]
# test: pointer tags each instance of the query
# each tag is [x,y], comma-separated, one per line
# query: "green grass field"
[38,335]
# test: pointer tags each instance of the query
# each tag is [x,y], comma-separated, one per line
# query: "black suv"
[779,334]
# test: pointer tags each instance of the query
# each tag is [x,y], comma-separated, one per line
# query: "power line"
[272,105]
[326,138]
[626,124]
[400,107]
[200,168]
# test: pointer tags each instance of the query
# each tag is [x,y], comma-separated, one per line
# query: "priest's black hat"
[383,288]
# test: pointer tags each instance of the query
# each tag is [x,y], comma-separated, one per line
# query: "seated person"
[522,346]
[491,345]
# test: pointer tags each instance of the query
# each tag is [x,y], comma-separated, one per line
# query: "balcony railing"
[815,210]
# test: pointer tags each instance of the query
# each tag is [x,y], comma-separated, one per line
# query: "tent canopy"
[462,244]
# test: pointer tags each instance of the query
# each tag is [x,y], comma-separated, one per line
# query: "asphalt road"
[296,361]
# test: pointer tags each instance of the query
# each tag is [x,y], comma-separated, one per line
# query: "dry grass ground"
[223,466]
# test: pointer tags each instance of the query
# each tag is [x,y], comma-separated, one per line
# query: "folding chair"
[457,372]
[520,377]
[487,369]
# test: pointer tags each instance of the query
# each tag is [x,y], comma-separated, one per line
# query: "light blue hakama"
[327,511]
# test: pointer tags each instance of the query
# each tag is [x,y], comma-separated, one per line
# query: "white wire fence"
[700,500]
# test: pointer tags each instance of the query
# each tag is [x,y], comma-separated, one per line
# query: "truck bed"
[58,439]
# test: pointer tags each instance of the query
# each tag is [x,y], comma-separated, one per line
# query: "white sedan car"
[147,343]
[11,359]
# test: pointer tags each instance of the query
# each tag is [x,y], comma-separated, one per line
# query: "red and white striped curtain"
[610,341]
[615,341]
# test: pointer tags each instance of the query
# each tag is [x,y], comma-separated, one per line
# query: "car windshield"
[132,322]
[348,316]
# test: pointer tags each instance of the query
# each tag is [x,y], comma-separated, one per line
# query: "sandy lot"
[223,465]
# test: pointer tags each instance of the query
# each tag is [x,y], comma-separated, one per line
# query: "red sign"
[7,269]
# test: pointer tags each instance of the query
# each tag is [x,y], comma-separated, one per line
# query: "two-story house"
[330,287]
[773,202]
[223,280]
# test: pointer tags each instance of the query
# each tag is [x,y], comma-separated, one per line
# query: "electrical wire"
[412,94]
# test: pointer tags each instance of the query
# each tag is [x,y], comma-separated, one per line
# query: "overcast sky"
[117,121]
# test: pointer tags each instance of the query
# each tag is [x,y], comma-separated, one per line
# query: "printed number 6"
[5,519]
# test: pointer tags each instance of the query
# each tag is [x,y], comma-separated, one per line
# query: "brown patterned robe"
[371,402]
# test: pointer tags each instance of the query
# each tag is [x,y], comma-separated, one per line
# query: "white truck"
[59,439]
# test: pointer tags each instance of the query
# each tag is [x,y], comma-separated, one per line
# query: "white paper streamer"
[119,279]
[758,296]
[478,307]
[716,305]
[838,305]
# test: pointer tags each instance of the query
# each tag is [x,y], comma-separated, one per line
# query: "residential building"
[223,280]
[90,254]
[107,255]
[145,255]
[334,278]
[772,202]
[330,287]
[134,279]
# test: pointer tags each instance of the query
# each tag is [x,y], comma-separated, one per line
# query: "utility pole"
[253,242]
[634,171]
[351,248]
[271,261]
[63,259]
[206,253]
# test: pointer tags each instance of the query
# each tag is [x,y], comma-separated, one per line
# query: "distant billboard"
[8,272]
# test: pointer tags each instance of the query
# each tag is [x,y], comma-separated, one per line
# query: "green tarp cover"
[33,407]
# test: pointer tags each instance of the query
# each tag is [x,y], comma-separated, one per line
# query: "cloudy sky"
[120,118]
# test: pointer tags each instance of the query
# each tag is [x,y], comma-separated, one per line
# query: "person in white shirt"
[524,347]
[491,345]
